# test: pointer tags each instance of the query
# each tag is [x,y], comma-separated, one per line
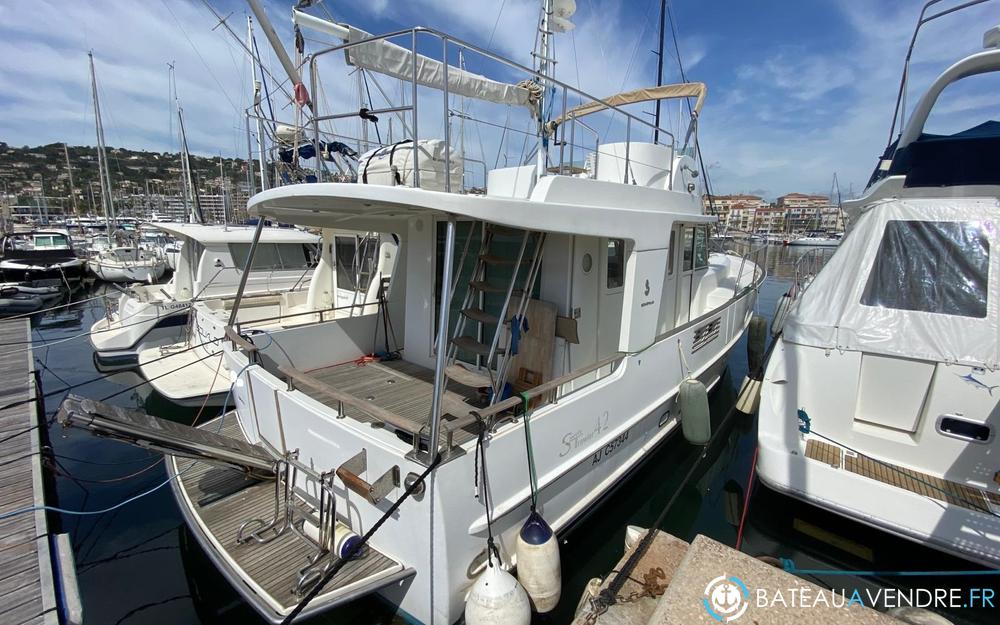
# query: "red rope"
[746,499]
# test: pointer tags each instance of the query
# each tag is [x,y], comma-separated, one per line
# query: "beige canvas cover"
[646,94]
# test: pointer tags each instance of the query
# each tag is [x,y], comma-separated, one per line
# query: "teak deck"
[222,499]
[27,587]
[400,387]
[907,479]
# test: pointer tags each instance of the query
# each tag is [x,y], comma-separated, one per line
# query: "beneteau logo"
[726,598]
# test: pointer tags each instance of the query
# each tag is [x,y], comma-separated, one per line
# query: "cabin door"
[668,298]
[685,282]
[586,275]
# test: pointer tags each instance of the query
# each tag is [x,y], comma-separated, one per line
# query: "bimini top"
[207,234]
[645,94]
[558,204]
[916,278]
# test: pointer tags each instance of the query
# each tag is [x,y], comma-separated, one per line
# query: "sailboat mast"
[262,160]
[659,69]
[544,67]
[102,159]
[196,214]
[69,172]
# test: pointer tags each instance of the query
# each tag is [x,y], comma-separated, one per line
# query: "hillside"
[25,171]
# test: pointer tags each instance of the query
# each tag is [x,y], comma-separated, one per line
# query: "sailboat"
[117,263]
[549,323]
[878,403]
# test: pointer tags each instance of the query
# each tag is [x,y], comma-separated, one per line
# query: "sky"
[797,90]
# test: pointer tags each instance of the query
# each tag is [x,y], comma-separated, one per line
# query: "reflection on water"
[138,564]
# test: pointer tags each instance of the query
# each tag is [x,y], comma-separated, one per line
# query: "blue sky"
[797,90]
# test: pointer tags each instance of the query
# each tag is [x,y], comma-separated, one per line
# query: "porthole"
[588,263]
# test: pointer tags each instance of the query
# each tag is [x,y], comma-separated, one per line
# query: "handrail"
[490,55]
[240,342]
[513,402]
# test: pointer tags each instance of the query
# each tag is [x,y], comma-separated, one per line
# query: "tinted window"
[272,256]
[688,249]
[931,266]
[700,248]
[616,263]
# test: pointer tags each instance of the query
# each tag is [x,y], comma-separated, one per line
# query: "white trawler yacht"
[209,266]
[581,291]
[347,281]
[878,402]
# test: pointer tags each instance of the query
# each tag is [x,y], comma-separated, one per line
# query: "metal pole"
[250,184]
[413,76]
[441,357]
[659,71]
[319,152]
[246,270]
[256,101]
[447,121]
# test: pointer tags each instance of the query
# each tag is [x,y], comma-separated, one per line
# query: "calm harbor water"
[139,564]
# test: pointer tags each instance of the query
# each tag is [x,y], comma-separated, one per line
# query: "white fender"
[538,567]
[497,599]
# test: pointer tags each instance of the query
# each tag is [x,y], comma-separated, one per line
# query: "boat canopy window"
[272,256]
[616,263]
[931,266]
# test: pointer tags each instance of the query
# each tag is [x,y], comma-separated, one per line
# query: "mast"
[262,160]
[659,69]
[543,69]
[69,171]
[225,196]
[102,159]
[196,215]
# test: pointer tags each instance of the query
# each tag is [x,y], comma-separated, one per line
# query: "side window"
[931,266]
[344,250]
[616,263]
[671,253]
[688,249]
[700,247]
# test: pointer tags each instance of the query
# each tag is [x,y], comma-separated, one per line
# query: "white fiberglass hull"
[189,377]
[908,492]
[148,271]
[136,326]
[584,445]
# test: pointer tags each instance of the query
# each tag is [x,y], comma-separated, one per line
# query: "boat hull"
[142,271]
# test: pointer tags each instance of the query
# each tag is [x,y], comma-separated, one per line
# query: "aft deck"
[396,386]
[217,500]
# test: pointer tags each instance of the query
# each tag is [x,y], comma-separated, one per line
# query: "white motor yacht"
[878,403]
[583,297]
[348,281]
[209,266]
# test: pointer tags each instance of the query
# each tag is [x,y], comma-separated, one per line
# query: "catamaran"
[878,403]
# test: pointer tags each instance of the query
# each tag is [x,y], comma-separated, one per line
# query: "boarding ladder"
[492,358]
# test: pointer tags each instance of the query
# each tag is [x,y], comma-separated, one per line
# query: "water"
[139,564]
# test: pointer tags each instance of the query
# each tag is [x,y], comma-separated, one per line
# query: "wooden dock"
[29,589]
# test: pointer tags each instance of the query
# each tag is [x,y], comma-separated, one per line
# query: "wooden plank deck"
[27,586]
[222,499]
[900,477]
[400,387]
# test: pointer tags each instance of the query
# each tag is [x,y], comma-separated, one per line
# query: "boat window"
[688,249]
[50,240]
[271,256]
[700,248]
[931,266]
[671,252]
[616,263]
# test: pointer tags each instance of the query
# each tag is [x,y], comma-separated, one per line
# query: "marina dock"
[37,579]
